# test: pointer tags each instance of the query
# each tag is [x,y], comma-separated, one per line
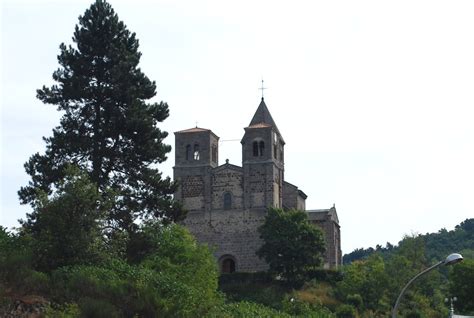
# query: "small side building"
[328,221]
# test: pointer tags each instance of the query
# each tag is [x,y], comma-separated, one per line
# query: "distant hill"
[438,245]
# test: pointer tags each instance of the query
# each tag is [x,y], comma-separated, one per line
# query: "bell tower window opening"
[255,148]
[196,152]
[227,201]
[275,146]
[214,153]
[188,152]
[261,148]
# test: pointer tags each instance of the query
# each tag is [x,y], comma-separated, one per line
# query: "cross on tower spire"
[262,88]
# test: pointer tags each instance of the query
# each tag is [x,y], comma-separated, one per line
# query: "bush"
[247,278]
[325,275]
[97,308]
[245,309]
[267,294]
[15,258]
[186,264]
[355,300]
[65,311]
[346,311]
[35,282]
[178,280]
[65,226]
[298,308]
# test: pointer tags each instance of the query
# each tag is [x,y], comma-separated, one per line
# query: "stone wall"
[230,232]
[227,179]
[290,194]
[331,231]
[293,198]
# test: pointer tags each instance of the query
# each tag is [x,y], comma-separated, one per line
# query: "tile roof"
[323,214]
[190,130]
[260,125]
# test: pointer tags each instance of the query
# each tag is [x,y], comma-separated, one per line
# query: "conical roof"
[263,118]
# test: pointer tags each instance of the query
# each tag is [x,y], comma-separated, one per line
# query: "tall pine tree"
[108,129]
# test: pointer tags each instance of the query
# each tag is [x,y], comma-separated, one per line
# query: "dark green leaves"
[107,129]
[292,246]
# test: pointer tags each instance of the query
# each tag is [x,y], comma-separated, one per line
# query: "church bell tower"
[262,161]
[196,154]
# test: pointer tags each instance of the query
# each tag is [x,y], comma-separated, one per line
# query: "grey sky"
[373,98]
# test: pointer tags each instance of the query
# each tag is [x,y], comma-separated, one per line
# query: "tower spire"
[262,88]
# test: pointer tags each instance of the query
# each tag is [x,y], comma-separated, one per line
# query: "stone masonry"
[228,203]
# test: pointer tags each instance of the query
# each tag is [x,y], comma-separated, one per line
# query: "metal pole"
[451,311]
[395,308]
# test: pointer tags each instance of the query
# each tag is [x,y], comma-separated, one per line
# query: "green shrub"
[267,294]
[346,311]
[245,309]
[295,307]
[413,314]
[98,308]
[355,300]
[325,275]
[15,257]
[65,225]
[257,277]
[35,282]
[64,311]
[177,280]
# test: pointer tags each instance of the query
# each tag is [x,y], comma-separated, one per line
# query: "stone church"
[227,203]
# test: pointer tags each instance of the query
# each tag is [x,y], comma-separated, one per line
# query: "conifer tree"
[108,128]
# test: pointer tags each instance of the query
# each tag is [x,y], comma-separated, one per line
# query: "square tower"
[196,154]
[263,161]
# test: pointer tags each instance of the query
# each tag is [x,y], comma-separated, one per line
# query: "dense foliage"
[107,128]
[100,241]
[438,245]
[178,279]
[372,285]
[292,246]
[64,228]
[462,286]
[181,283]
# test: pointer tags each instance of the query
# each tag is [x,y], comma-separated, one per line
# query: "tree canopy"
[108,128]
[438,245]
[65,227]
[462,286]
[291,245]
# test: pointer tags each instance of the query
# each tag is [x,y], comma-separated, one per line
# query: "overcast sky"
[373,98]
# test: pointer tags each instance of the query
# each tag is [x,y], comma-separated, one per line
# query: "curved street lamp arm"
[395,308]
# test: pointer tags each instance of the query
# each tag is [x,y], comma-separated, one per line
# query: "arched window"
[227,201]
[261,148]
[196,152]
[227,264]
[255,148]
[275,146]
[214,153]
[188,152]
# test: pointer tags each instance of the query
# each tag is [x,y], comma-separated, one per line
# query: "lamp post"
[451,308]
[450,260]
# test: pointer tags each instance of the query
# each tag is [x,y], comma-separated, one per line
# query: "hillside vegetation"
[103,238]
[437,245]
[178,278]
